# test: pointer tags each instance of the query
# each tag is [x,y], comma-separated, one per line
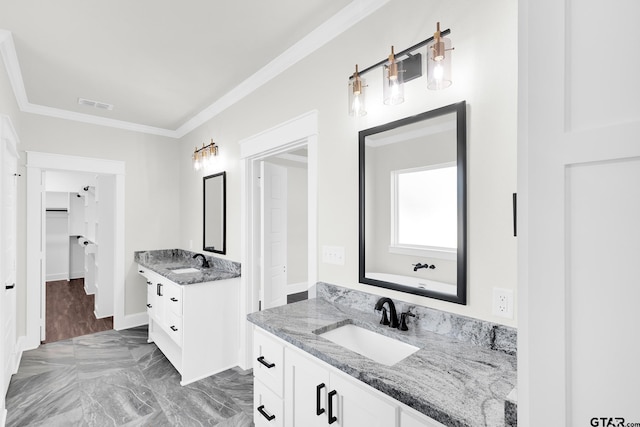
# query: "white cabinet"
[195,325]
[268,370]
[317,394]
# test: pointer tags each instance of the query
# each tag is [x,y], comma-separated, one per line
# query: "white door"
[579,241]
[8,248]
[274,234]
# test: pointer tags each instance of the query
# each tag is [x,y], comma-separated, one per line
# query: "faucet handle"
[385,319]
[403,320]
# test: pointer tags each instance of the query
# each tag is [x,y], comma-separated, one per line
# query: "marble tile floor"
[116,378]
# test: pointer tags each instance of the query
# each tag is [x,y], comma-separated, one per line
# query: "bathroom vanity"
[303,378]
[192,310]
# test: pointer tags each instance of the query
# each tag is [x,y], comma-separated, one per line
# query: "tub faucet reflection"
[418,266]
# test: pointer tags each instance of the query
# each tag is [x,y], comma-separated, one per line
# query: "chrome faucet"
[205,263]
[393,323]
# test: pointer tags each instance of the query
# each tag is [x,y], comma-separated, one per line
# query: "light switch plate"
[333,255]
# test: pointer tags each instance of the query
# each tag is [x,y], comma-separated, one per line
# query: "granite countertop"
[162,261]
[453,382]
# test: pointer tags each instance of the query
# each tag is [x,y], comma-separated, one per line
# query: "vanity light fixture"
[204,156]
[438,62]
[356,95]
[399,68]
[393,83]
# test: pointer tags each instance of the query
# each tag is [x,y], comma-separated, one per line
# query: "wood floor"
[70,311]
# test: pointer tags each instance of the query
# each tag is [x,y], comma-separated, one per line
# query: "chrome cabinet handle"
[265,363]
[264,414]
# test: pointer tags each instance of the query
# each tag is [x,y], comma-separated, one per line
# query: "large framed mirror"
[413,204]
[214,224]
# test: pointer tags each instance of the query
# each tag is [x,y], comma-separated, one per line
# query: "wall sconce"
[438,62]
[356,95]
[204,156]
[402,67]
[393,83]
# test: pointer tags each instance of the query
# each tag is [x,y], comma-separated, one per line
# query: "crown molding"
[350,15]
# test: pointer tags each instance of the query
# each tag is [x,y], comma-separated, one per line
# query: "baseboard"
[56,277]
[131,321]
[3,416]
[20,344]
[78,275]
[294,288]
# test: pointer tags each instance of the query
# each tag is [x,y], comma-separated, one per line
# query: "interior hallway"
[116,378]
[70,311]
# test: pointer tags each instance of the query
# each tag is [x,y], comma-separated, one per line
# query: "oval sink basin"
[184,270]
[380,348]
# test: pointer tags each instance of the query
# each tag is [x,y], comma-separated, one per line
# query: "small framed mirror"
[214,224]
[413,207]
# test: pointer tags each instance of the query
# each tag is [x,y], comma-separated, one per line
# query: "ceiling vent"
[95,104]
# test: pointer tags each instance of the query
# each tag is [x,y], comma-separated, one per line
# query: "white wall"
[485,73]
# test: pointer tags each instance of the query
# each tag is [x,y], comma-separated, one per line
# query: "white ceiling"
[166,66]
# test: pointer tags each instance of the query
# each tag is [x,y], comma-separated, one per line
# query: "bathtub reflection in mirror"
[413,204]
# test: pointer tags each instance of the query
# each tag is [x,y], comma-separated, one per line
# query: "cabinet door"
[306,391]
[268,362]
[267,407]
[355,405]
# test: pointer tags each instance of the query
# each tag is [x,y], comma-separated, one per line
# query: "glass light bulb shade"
[357,104]
[393,86]
[439,71]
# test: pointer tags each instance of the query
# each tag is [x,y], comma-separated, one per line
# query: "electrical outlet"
[333,255]
[503,302]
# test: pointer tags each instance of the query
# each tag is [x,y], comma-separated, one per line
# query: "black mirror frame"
[224,213]
[460,109]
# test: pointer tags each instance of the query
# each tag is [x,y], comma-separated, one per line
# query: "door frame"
[37,163]
[298,132]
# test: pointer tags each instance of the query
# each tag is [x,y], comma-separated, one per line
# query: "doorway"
[71,306]
[105,225]
[284,140]
[283,245]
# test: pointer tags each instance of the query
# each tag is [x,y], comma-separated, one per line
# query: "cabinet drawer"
[174,327]
[268,362]
[268,408]
[173,294]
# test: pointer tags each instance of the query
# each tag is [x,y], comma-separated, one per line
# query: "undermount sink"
[183,270]
[380,348]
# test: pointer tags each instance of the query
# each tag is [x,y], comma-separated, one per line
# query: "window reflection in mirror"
[413,204]
[214,215]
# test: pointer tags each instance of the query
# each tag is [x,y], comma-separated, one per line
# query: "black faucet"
[205,263]
[392,311]
[417,266]
[403,320]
